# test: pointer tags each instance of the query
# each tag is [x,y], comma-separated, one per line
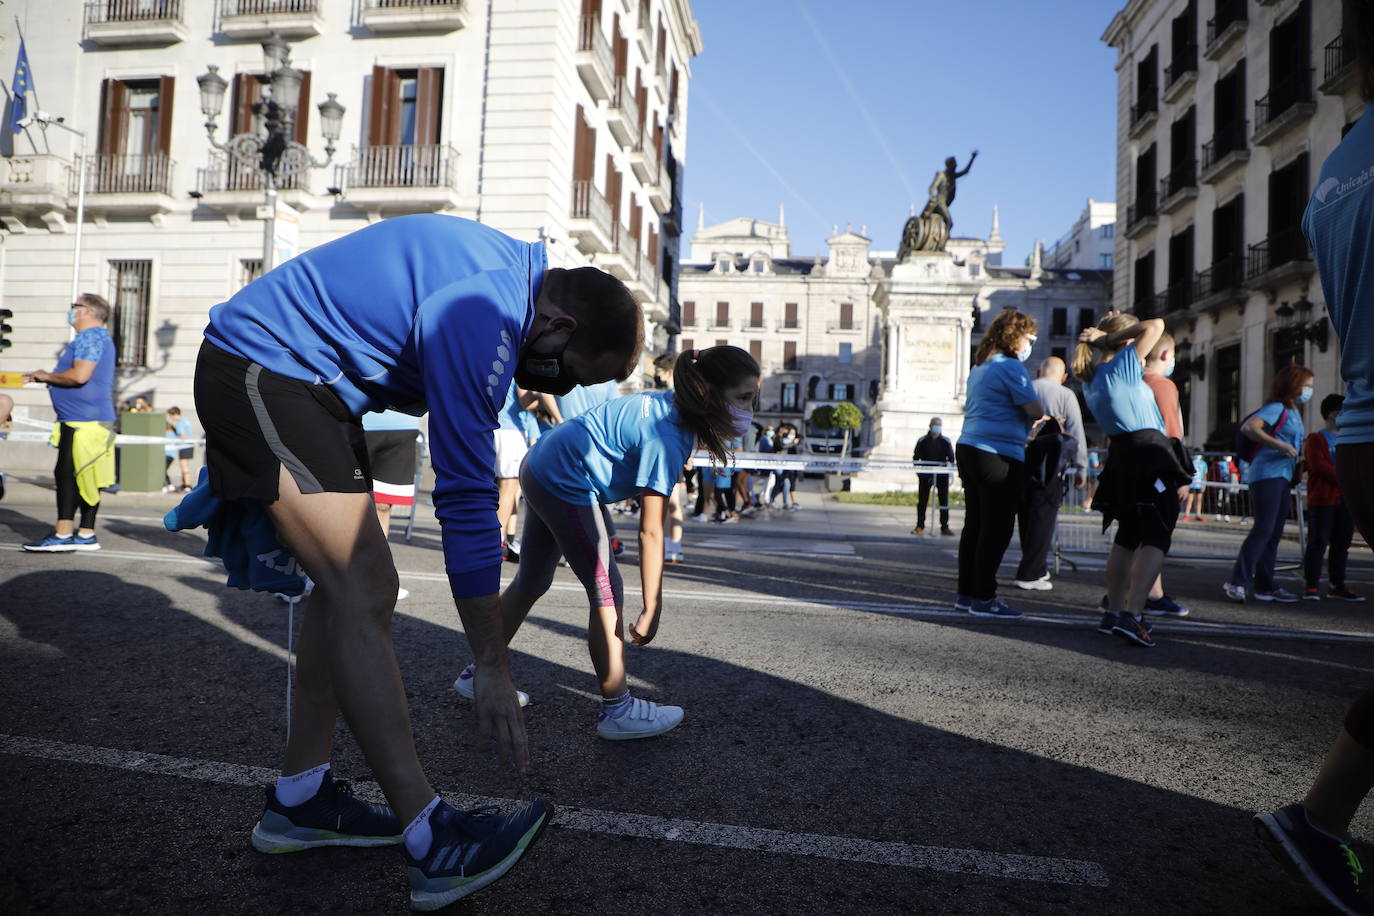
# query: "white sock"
[673,546]
[298,789]
[417,834]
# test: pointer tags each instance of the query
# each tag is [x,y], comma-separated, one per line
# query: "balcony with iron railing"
[1144,112]
[1286,105]
[413,15]
[1225,27]
[401,178]
[126,183]
[1224,152]
[257,19]
[589,218]
[1218,285]
[128,22]
[622,113]
[1279,259]
[1178,187]
[225,173]
[623,259]
[842,327]
[1181,72]
[1339,66]
[659,190]
[1175,298]
[1143,215]
[644,159]
[595,63]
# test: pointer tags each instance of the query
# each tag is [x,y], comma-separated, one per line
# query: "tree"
[847,417]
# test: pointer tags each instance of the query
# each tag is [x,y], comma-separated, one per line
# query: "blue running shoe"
[1324,862]
[89,543]
[333,817]
[471,849]
[993,607]
[1108,622]
[962,602]
[1133,629]
[1164,606]
[52,544]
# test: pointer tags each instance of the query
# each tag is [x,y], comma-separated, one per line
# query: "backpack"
[1247,448]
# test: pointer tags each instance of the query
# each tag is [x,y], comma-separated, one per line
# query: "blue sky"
[852,130]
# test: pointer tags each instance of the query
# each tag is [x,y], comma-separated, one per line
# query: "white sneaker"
[642,720]
[701,517]
[464,686]
[402,594]
[1234,592]
[1042,584]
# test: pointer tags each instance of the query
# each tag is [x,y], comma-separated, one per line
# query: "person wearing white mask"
[999,411]
[1277,431]
[634,446]
[934,448]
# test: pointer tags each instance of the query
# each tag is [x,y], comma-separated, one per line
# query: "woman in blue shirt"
[1143,480]
[632,446]
[1277,427]
[999,409]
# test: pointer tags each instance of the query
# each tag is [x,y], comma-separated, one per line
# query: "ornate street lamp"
[274,154]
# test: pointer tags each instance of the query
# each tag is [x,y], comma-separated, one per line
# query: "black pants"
[1035,519]
[941,482]
[992,491]
[64,476]
[1327,526]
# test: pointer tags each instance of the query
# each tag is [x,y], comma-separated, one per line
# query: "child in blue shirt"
[632,446]
[1144,479]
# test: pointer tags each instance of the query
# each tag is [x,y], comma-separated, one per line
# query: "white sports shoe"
[1042,584]
[1234,592]
[464,686]
[642,720]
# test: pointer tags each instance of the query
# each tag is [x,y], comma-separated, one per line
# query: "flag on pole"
[20,87]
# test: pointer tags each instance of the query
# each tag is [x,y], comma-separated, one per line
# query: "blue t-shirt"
[1199,472]
[993,418]
[584,397]
[614,451]
[383,420]
[1119,396]
[1269,462]
[181,431]
[423,312]
[92,400]
[1339,224]
[1330,441]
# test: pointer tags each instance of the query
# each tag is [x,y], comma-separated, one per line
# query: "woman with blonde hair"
[1144,477]
[999,409]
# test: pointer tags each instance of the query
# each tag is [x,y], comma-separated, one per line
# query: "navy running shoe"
[471,849]
[53,543]
[333,817]
[1133,629]
[1164,606]
[993,607]
[962,602]
[1108,622]
[1324,862]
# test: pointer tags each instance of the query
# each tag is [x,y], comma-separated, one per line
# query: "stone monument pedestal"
[927,311]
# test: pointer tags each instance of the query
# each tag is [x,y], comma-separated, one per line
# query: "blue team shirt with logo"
[415,313]
[1339,224]
[1119,396]
[993,418]
[90,401]
[614,450]
[1270,462]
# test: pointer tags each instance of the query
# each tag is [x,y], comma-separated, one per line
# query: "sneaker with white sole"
[1043,584]
[1324,862]
[53,543]
[1281,595]
[85,543]
[994,607]
[470,850]
[464,686]
[643,719]
[962,602]
[332,817]
[1234,592]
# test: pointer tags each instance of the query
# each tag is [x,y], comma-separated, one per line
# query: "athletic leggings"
[1357,489]
[554,528]
[992,491]
[64,476]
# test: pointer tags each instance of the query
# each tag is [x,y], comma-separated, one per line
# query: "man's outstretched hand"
[499,719]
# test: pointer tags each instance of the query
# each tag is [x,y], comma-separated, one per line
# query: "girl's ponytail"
[700,378]
[1084,359]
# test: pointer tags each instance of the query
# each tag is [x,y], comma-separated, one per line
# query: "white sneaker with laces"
[1234,592]
[1043,584]
[644,719]
[464,686]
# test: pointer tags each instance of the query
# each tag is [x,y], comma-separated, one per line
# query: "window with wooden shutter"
[789,355]
[114,102]
[756,314]
[689,314]
[135,136]
[789,315]
[620,47]
[722,314]
[380,119]
[406,107]
[584,147]
[613,181]
[688,344]
[756,350]
[642,100]
[846,315]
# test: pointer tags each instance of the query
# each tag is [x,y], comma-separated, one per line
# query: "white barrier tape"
[25,436]
[768,461]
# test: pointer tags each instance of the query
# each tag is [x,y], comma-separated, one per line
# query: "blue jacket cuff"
[486,581]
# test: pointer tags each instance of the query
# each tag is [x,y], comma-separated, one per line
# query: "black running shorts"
[257,422]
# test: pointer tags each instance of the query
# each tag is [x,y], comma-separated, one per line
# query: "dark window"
[1143,300]
[789,315]
[689,314]
[1182,153]
[135,136]
[1061,352]
[130,287]
[1086,319]
[721,343]
[842,392]
[1287,199]
[1228,116]
[1226,370]
[1179,294]
[688,344]
[1145,176]
[722,315]
[249,270]
[406,107]
[789,355]
[789,395]
[1182,44]
[846,315]
[756,350]
[1290,65]
[1059,323]
[1147,84]
[756,314]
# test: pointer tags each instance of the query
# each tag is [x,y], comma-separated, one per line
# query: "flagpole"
[80,213]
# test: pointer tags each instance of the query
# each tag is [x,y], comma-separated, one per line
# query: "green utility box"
[141,466]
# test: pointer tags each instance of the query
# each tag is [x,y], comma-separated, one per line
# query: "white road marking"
[1047,869]
[796,548]
[914,610]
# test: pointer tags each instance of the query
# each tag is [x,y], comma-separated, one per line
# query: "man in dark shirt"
[933,449]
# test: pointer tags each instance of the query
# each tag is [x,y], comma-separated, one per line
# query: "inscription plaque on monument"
[928,360]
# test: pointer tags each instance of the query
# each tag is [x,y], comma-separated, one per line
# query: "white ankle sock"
[298,789]
[418,836]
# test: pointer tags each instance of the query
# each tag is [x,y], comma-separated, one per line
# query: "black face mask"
[546,372]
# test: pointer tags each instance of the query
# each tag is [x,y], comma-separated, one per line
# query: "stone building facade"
[562,120]
[1225,111]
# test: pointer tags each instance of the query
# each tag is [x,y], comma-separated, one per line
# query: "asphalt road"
[850,745]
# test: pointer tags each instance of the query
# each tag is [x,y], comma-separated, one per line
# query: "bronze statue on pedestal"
[930,230]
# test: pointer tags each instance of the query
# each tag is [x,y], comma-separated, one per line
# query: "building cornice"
[1123,22]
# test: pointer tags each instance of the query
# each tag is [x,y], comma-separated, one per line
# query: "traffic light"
[5,329]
